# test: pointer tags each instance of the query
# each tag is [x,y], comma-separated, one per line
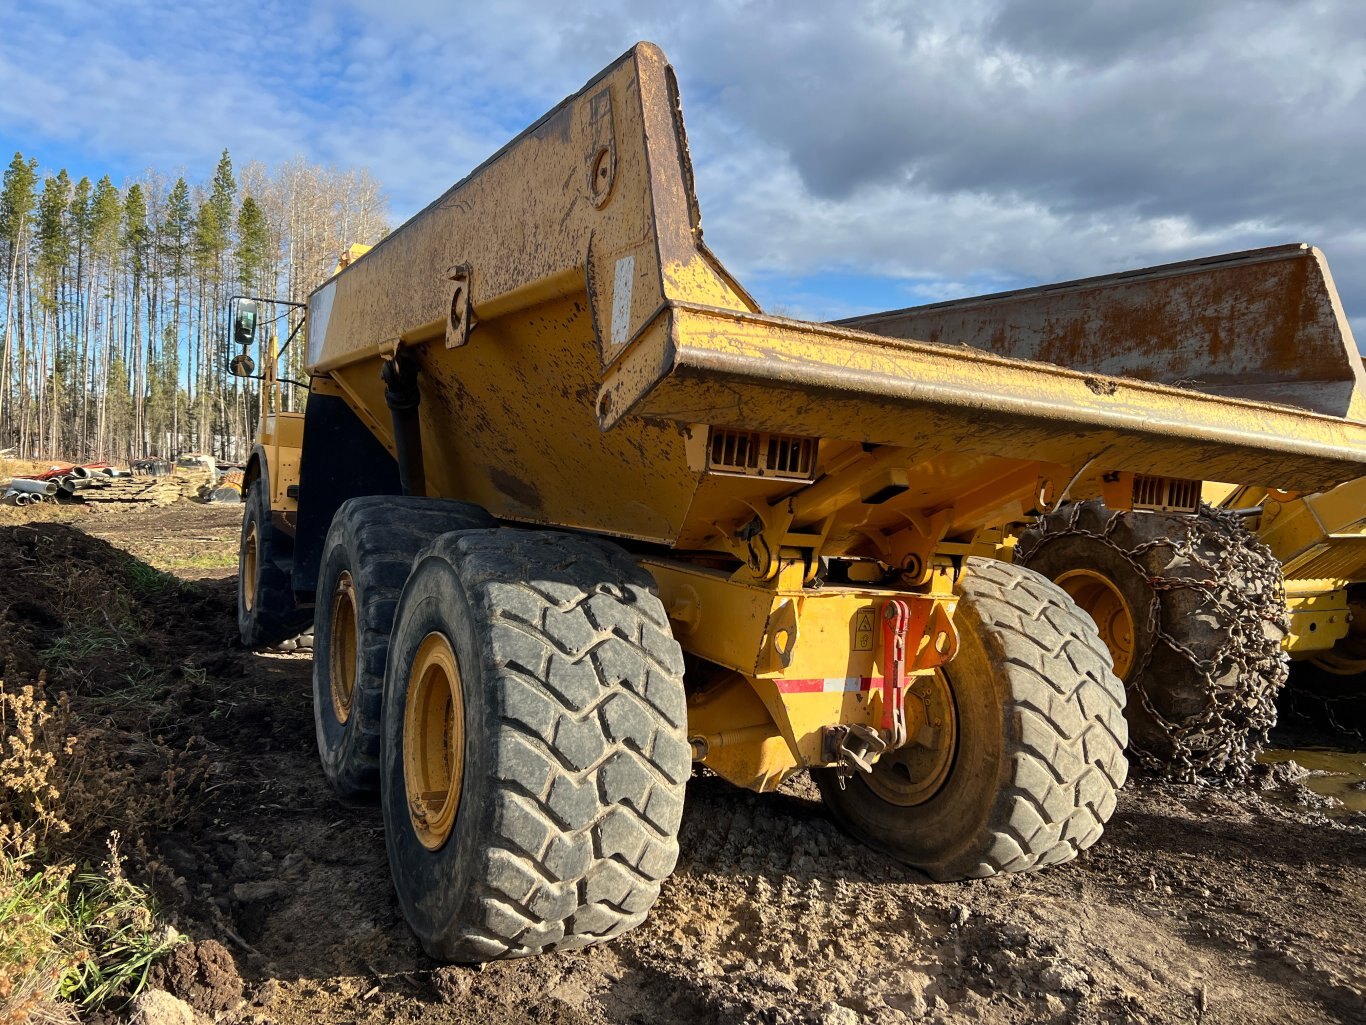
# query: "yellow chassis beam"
[794,661]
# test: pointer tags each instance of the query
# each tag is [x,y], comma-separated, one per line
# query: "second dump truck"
[571,515]
[1191,598]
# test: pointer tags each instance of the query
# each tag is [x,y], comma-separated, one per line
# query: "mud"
[1199,905]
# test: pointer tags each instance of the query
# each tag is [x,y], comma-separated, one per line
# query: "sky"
[850,157]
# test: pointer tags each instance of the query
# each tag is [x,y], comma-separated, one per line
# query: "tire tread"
[1062,678]
[587,691]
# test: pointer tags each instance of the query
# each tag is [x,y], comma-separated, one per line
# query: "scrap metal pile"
[100,482]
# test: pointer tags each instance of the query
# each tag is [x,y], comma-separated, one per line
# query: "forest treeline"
[114,342]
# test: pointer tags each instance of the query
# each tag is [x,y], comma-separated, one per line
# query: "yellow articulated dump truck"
[1188,596]
[573,515]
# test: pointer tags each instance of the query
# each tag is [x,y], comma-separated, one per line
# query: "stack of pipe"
[22,492]
[58,483]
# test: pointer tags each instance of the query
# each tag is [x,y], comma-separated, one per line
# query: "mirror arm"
[288,340]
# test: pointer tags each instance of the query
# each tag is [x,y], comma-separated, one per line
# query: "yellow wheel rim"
[433,741]
[1340,665]
[342,647]
[912,774]
[250,558]
[1102,601]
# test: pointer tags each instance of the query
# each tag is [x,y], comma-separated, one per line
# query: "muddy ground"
[1199,905]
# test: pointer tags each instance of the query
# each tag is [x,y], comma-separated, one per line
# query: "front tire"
[266,611]
[534,745]
[1038,735]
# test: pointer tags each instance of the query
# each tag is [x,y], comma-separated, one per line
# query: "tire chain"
[1323,707]
[1221,741]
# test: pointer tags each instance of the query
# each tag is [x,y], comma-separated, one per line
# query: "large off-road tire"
[1036,720]
[1193,611]
[365,561]
[266,611]
[535,749]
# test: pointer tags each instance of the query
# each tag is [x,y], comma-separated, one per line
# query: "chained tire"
[535,751]
[1031,737]
[366,558]
[267,614]
[1193,610]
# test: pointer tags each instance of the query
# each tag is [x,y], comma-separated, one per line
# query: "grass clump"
[71,935]
[83,938]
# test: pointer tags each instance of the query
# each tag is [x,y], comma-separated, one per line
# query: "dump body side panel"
[1265,325]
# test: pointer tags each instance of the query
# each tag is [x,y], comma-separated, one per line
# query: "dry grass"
[66,935]
[68,939]
[46,512]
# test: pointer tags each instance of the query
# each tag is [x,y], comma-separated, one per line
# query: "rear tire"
[369,548]
[545,816]
[1209,617]
[1040,740]
[266,611]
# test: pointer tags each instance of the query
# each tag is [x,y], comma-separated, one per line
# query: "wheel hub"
[250,559]
[343,645]
[1099,598]
[433,741]
[913,773]
[1339,664]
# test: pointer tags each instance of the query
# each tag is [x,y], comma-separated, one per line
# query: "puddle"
[1338,774]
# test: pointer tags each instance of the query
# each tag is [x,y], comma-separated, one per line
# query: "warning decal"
[864,623]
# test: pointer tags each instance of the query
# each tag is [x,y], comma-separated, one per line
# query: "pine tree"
[176,231]
[135,239]
[253,246]
[78,383]
[16,210]
[106,217]
[53,249]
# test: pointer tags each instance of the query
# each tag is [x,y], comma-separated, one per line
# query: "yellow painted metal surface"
[279,434]
[813,658]
[282,438]
[1316,537]
[1100,599]
[732,368]
[734,734]
[1320,540]
[790,633]
[1320,616]
[572,326]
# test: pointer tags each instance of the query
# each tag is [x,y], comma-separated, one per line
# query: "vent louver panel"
[1166,494]
[759,454]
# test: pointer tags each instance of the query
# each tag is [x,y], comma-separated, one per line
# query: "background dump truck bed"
[585,359]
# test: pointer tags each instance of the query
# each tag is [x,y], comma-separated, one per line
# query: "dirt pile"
[202,974]
[99,655]
[93,616]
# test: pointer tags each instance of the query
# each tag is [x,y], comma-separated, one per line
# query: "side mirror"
[244,324]
[242,366]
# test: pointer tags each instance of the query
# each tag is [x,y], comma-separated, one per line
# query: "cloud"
[876,152]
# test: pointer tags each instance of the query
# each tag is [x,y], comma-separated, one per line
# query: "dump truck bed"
[586,361]
[1265,325]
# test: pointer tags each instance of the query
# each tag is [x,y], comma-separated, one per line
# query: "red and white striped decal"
[828,685]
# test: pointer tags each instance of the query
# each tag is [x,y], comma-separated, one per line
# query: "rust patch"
[1101,387]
